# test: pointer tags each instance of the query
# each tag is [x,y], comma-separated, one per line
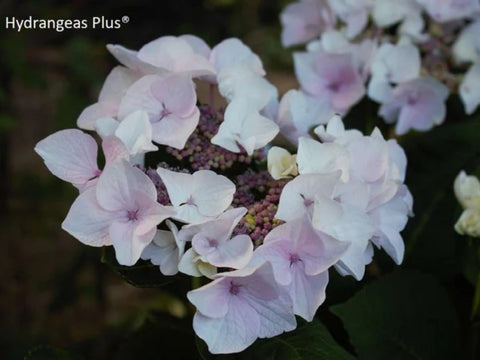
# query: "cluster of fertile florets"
[406,55]
[200,154]
[259,193]
[186,187]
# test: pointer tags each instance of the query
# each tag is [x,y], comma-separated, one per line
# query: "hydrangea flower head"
[260,224]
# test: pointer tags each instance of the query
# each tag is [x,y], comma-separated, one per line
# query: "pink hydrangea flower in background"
[392,64]
[304,20]
[239,307]
[170,102]
[449,10]
[354,13]
[418,104]
[121,209]
[335,42]
[300,257]
[298,113]
[113,90]
[71,155]
[333,76]
[197,197]
[406,12]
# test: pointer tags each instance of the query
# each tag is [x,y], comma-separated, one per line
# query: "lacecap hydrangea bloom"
[353,50]
[201,192]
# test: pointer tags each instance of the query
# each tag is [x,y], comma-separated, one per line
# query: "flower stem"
[196,282]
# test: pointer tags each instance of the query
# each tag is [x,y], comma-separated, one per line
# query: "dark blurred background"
[54,291]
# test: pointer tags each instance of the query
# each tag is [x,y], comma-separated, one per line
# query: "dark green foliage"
[404,315]
[435,158]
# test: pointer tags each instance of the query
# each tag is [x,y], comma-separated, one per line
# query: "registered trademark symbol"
[125,19]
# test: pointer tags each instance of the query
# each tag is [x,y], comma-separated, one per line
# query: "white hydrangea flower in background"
[466,47]
[392,64]
[406,12]
[449,10]
[467,191]
[354,13]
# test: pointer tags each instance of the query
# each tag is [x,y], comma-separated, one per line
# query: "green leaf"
[435,158]
[143,274]
[49,353]
[404,315]
[310,341]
